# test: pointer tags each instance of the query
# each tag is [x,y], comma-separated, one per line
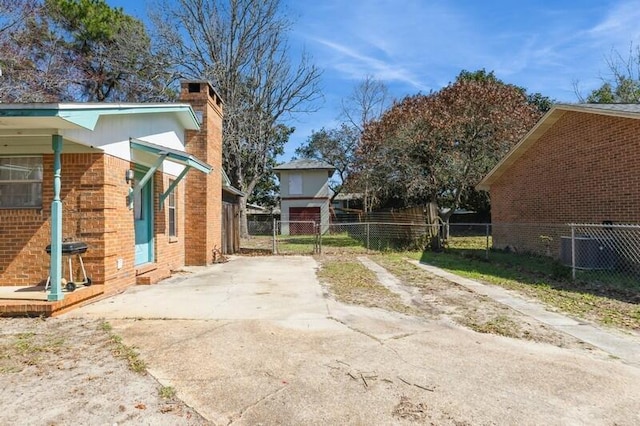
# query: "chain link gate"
[296,237]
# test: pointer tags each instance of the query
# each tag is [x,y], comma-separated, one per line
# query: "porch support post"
[55,268]
[175,183]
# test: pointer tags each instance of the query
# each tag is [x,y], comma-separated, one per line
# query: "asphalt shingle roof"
[628,108]
[305,164]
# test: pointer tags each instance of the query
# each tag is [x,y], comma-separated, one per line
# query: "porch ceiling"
[26,124]
[84,115]
[34,143]
[28,128]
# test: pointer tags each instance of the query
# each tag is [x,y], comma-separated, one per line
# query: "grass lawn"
[615,303]
[352,282]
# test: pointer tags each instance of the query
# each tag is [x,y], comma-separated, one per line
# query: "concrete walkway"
[408,295]
[623,346]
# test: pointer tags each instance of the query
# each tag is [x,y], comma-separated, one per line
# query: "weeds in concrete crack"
[122,351]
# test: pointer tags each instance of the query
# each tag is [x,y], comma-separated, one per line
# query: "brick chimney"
[203,193]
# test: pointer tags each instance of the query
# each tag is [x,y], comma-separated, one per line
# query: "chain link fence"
[376,236]
[260,227]
[603,252]
[598,253]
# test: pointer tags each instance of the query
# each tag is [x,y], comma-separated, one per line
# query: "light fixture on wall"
[128,176]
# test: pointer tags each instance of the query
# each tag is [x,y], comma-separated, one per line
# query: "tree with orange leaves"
[434,148]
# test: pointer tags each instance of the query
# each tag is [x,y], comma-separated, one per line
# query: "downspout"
[55,266]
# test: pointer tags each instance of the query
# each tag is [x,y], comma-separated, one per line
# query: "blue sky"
[421,45]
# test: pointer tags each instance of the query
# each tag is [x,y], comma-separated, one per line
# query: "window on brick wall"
[21,182]
[171,208]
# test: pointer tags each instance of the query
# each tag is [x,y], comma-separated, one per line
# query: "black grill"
[71,248]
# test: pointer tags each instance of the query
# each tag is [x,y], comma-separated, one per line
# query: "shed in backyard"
[304,195]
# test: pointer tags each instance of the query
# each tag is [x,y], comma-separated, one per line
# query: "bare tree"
[366,103]
[62,50]
[241,47]
[13,13]
[623,83]
[33,69]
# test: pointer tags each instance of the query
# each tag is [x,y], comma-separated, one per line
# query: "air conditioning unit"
[591,253]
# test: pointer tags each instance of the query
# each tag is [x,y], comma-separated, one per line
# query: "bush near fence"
[384,236]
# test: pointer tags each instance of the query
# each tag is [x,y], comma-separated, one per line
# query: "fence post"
[367,236]
[487,245]
[274,248]
[573,252]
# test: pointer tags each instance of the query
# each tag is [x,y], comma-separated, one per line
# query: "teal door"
[143,221]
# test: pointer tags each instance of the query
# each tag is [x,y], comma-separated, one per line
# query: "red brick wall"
[204,192]
[26,233]
[584,169]
[23,237]
[169,250]
[118,236]
[95,211]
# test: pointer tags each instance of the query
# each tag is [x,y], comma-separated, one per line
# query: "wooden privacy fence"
[230,228]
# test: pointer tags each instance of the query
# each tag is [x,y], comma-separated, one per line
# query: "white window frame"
[172,208]
[31,180]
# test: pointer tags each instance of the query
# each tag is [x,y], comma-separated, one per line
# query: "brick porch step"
[151,275]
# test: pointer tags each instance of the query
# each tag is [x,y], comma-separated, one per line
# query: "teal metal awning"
[163,153]
[174,155]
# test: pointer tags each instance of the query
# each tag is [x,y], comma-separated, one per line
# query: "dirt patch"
[60,372]
[351,282]
[440,299]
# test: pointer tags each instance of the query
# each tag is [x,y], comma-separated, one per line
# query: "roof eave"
[86,115]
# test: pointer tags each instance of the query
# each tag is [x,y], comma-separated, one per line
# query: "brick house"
[304,195]
[140,184]
[578,164]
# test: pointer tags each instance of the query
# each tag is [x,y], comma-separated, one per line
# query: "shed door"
[305,215]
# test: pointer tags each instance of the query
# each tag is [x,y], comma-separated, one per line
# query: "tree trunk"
[434,223]
[244,228]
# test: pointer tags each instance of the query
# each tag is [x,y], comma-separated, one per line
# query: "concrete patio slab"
[257,341]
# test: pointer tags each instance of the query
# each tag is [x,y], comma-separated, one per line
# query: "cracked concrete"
[280,352]
[408,295]
[623,346]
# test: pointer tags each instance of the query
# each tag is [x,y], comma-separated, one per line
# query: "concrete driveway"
[257,341]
